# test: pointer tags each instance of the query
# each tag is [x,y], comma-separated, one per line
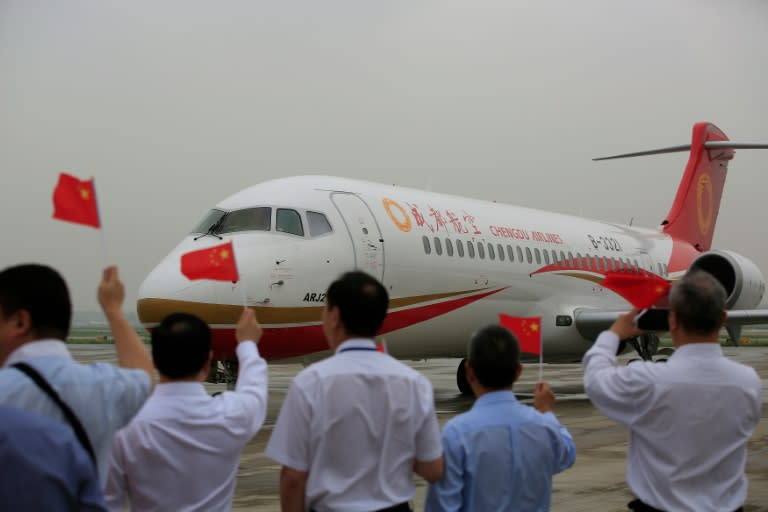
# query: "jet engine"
[740,277]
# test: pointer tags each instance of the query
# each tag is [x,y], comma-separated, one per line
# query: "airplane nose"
[165,289]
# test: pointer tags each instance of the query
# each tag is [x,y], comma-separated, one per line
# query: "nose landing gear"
[647,346]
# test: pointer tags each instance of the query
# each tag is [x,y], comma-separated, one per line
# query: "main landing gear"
[647,346]
[223,372]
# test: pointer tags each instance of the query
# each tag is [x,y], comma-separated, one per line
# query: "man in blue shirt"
[44,466]
[35,316]
[500,455]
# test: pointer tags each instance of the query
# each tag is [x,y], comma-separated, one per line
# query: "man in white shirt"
[689,419]
[182,450]
[35,316]
[355,427]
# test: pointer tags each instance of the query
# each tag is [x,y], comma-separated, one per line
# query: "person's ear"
[723,318]
[335,316]
[518,372]
[672,319]
[22,322]
[207,365]
[469,372]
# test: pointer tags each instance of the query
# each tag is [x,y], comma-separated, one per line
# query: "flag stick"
[245,298]
[104,260]
[541,357]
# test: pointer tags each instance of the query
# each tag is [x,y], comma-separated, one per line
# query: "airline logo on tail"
[704,208]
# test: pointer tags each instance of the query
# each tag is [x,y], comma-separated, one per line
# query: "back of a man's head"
[362,303]
[180,345]
[494,355]
[698,301]
[43,293]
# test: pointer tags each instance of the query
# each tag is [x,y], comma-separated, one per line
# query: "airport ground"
[594,483]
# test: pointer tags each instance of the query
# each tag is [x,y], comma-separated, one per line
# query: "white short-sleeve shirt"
[356,422]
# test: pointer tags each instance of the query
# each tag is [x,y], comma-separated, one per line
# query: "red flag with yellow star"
[527,330]
[641,290]
[217,263]
[74,200]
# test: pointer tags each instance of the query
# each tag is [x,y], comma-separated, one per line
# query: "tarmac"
[595,482]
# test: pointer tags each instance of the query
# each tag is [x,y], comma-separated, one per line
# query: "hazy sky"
[175,105]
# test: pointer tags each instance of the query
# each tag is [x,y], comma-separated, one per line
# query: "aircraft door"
[364,232]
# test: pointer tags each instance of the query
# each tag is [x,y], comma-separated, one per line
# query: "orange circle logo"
[704,205]
[398,214]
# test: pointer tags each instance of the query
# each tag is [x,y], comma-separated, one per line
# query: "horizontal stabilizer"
[710,144]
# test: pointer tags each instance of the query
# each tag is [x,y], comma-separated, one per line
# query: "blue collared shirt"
[500,455]
[103,397]
[44,466]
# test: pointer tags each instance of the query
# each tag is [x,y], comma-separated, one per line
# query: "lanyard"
[356,348]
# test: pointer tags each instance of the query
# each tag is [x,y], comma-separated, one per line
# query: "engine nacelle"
[741,278]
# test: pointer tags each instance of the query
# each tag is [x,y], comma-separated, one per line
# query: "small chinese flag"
[526,329]
[217,263]
[74,200]
[640,290]
[382,347]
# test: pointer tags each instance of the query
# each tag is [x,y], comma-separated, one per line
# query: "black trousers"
[639,506]
[401,507]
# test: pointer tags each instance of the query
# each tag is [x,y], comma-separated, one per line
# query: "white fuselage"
[450,264]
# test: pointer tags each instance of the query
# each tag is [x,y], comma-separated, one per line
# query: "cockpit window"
[289,221]
[211,218]
[248,219]
[318,224]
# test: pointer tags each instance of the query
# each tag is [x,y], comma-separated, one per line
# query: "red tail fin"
[693,215]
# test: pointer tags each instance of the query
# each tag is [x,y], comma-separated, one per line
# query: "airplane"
[450,264]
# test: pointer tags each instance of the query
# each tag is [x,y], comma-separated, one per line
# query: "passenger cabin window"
[528,255]
[460,248]
[510,253]
[491,252]
[519,254]
[318,224]
[248,219]
[545,253]
[427,247]
[289,221]
[480,250]
[471,249]
[438,246]
[537,252]
[449,247]
[501,252]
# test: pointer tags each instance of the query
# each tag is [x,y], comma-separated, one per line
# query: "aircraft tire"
[461,379]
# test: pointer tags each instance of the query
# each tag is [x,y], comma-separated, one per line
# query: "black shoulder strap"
[71,417]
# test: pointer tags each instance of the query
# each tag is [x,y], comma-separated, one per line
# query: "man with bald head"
[689,419]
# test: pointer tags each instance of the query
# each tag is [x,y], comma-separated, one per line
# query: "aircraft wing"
[591,322]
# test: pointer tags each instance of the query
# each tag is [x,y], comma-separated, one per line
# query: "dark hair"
[698,301]
[494,354]
[362,303]
[43,293]
[180,345]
